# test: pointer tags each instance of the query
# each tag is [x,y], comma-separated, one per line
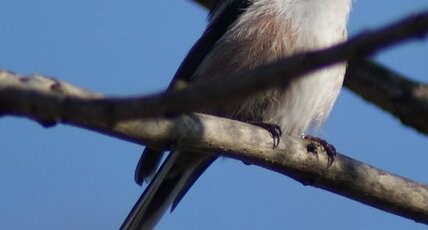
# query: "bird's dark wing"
[223,14]
[180,170]
[217,27]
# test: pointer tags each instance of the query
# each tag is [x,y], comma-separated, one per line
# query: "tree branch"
[238,86]
[405,99]
[37,97]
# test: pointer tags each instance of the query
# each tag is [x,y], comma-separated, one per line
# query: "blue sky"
[68,178]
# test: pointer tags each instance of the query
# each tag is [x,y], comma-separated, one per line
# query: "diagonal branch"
[238,86]
[36,97]
[403,98]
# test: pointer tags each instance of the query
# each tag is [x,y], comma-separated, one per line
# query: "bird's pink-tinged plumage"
[260,32]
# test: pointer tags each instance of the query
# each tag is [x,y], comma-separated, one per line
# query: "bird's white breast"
[273,29]
[316,24]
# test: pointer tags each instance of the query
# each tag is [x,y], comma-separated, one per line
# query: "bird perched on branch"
[242,35]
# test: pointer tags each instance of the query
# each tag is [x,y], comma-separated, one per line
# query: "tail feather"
[197,172]
[172,181]
[147,165]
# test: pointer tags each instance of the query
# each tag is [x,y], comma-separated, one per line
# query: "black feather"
[216,29]
[173,182]
[150,158]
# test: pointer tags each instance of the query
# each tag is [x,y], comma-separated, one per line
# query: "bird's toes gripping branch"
[318,142]
[274,130]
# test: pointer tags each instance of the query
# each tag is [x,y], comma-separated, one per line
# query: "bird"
[242,35]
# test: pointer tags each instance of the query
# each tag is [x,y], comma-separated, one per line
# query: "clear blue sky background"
[68,178]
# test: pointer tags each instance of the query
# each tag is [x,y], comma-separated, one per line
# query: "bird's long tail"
[171,182]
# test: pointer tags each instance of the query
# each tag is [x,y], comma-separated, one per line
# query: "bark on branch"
[40,98]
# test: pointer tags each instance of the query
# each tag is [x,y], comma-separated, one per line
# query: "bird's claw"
[328,148]
[274,130]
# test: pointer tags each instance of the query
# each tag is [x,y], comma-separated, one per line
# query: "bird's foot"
[328,148]
[273,129]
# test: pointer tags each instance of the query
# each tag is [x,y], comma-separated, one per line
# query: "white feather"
[273,29]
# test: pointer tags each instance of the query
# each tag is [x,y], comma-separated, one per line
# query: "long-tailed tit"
[242,35]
